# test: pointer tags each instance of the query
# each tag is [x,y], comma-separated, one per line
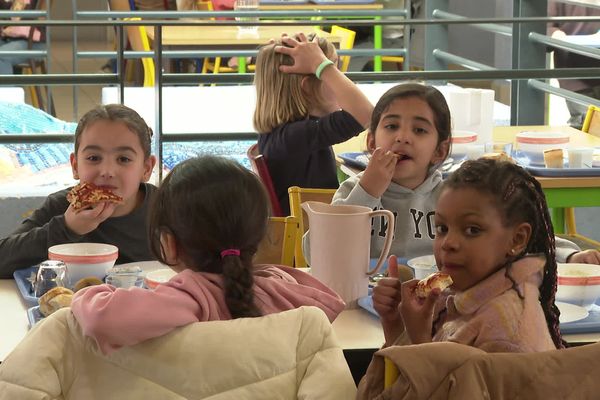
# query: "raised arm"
[308,56]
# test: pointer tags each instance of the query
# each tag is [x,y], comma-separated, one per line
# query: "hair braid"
[520,198]
[239,282]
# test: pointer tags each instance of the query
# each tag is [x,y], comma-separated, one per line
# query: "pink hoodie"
[124,317]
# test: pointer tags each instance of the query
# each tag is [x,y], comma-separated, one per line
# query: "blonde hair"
[279,95]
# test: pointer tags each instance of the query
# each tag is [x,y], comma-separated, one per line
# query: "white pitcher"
[340,238]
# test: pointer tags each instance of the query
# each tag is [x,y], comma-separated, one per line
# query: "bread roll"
[502,156]
[438,280]
[85,282]
[55,299]
[553,158]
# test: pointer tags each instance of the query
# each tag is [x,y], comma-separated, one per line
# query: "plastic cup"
[581,157]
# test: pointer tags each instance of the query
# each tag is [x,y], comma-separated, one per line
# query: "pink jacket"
[500,314]
[124,317]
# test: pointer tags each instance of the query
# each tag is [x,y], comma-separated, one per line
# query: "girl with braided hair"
[206,222]
[495,239]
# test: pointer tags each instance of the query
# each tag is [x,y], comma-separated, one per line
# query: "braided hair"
[210,205]
[519,198]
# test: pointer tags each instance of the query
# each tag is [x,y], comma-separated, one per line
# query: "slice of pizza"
[437,280]
[87,194]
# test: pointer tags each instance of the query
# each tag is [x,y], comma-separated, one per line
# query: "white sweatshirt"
[414,211]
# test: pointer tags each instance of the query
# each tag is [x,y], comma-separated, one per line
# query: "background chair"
[35,66]
[278,245]
[346,43]
[138,39]
[211,64]
[260,168]
[298,196]
[591,125]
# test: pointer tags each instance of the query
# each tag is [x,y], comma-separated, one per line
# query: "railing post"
[436,37]
[527,104]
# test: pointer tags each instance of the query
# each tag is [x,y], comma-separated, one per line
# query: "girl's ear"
[168,246]
[441,152]
[520,239]
[73,161]
[305,84]
[148,167]
[371,146]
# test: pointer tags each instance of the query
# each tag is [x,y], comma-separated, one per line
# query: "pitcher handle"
[389,236]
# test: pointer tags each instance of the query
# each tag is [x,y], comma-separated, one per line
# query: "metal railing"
[526,75]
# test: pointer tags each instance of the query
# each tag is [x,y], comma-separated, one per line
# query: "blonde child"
[208,219]
[495,239]
[409,137]
[304,105]
[112,150]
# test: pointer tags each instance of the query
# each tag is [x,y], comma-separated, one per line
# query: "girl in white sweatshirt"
[409,137]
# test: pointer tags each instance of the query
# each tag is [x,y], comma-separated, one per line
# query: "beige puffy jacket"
[288,355]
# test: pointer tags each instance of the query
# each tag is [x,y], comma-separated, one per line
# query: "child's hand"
[379,173]
[86,220]
[307,55]
[591,256]
[386,298]
[417,313]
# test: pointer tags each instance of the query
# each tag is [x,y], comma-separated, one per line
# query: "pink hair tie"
[230,252]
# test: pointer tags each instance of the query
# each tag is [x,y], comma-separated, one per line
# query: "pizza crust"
[87,194]
[438,280]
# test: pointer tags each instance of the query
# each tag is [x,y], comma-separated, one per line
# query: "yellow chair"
[346,43]
[298,196]
[394,59]
[591,125]
[277,247]
[390,373]
[138,38]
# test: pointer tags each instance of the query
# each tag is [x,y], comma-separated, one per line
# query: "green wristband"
[321,67]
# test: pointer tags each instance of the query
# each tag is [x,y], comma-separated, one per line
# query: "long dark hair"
[210,204]
[519,198]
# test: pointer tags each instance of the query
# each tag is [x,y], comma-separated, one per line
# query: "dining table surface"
[356,329]
[230,36]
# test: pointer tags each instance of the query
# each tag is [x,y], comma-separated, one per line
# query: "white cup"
[475,151]
[581,157]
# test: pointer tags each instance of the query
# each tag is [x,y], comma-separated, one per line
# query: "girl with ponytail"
[207,220]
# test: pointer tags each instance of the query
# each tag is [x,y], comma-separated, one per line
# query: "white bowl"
[156,277]
[460,143]
[578,284]
[85,259]
[533,144]
[423,266]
